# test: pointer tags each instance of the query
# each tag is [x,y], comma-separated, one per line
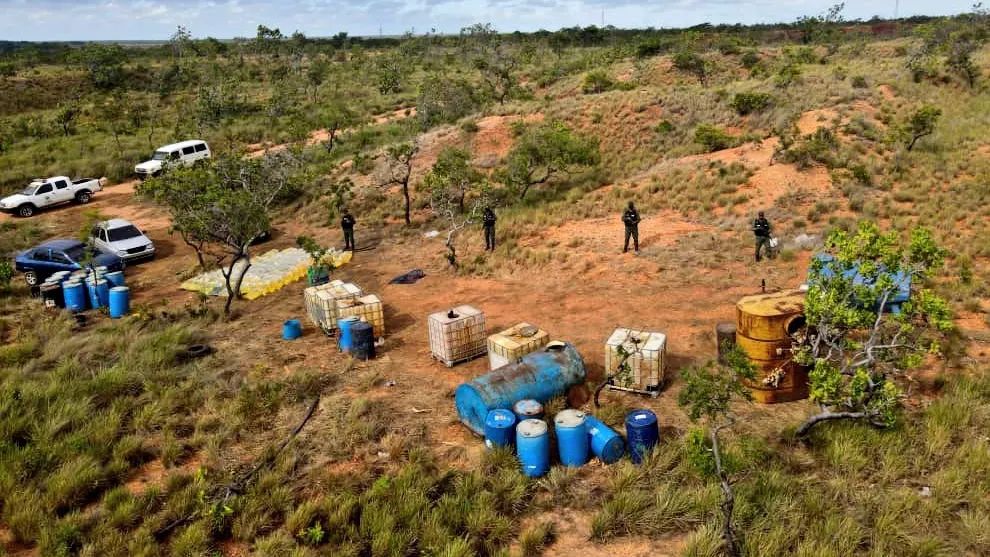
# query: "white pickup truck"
[50,191]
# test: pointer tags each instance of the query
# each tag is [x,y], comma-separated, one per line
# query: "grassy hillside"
[114,442]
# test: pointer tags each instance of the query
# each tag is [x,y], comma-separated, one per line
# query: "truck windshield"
[123,233]
[160,156]
[29,190]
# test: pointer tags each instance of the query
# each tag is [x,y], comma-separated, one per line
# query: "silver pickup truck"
[43,193]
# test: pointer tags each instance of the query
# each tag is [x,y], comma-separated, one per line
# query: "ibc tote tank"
[539,376]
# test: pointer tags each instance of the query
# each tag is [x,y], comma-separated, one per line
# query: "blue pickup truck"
[53,256]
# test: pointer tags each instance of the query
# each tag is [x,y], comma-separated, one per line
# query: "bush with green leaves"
[713,138]
[6,274]
[596,81]
[820,146]
[746,103]
[859,346]
[545,152]
[920,124]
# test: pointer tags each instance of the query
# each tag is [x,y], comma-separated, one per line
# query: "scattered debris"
[389,383]
[807,241]
[925,491]
[432,234]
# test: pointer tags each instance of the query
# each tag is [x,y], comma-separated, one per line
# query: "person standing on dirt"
[631,219]
[761,229]
[488,221]
[347,223]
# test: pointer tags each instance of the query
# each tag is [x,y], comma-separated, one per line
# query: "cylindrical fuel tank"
[764,327]
[540,376]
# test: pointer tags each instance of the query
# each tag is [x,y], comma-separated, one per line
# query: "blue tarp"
[902,281]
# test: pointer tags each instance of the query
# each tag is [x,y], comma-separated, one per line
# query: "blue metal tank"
[533,447]
[119,301]
[500,428]
[539,376]
[607,445]
[643,433]
[573,443]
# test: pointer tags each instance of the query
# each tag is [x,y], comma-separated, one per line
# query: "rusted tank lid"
[555,346]
[569,418]
[774,304]
[532,428]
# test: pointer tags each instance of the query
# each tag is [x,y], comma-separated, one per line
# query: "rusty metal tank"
[765,325]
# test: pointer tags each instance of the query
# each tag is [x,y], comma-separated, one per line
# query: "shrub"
[749,59]
[597,82]
[713,138]
[861,174]
[664,127]
[787,75]
[470,126]
[819,147]
[859,82]
[746,103]
[6,274]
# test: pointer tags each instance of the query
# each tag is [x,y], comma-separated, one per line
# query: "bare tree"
[397,171]
[446,204]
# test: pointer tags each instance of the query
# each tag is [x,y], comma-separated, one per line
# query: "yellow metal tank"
[765,324]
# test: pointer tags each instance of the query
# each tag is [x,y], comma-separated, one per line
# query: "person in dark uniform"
[347,223]
[631,219]
[761,229]
[488,221]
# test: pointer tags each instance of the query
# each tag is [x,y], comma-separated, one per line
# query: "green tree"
[268,40]
[857,347]
[396,170]
[66,116]
[220,209]
[335,115]
[338,194]
[688,58]
[921,123]
[454,175]
[390,72]
[444,99]
[706,397]
[104,63]
[447,203]
[545,152]
[494,58]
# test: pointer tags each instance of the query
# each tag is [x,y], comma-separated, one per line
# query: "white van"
[182,153]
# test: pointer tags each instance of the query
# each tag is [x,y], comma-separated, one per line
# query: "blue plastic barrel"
[75,296]
[115,278]
[345,340]
[533,447]
[528,409]
[573,443]
[120,301]
[99,293]
[642,432]
[607,445]
[291,329]
[539,376]
[500,428]
[362,341]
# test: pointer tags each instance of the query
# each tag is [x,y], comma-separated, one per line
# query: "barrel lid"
[531,428]
[348,319]
[773,304]
[119,289]
[569,418]
[641,417]
[361,325]
[500,418]
[71,283]
[528,407]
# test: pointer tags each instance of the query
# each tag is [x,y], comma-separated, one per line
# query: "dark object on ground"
[408,278]
[80,320]
[195,351]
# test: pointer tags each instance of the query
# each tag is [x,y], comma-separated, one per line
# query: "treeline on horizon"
[56,52]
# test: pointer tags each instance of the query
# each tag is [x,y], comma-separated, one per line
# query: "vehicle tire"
[31,278]
[25,210]
[83,197]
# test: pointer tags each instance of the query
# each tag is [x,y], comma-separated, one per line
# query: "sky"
[39,20]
